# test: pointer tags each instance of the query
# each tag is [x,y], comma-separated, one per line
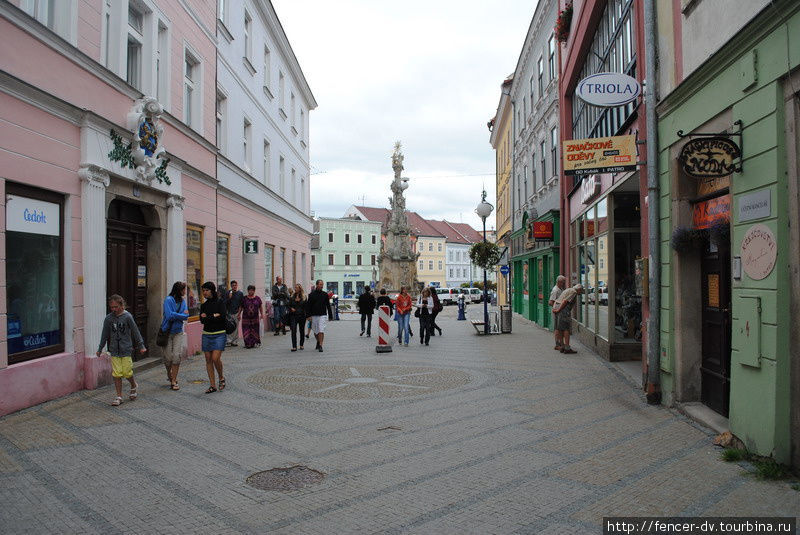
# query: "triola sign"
[608,89]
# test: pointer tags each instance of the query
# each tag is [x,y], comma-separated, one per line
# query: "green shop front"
[728,154]
[535,261]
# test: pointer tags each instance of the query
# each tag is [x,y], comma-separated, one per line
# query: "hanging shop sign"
[251,246]
[759,252]
[32,216]
[712,212]
[708,157]
[543,230]
[608,89]
[599,155]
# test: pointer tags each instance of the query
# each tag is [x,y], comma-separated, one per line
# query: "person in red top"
[403,311]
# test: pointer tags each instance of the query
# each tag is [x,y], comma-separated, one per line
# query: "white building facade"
[262,106]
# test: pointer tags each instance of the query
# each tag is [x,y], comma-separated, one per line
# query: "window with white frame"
[439,247]
[191,90]
[430,247]
[374,239]
[330,259]
[430,265]
[551,57]
[533,172]
[525,182]
[302,205]
[421,265]
[293,185]
[439,264]
[267,67]
[282,93]
[282,175]
[293,112]
[330,237]
[134,46]
[248,37]
[554,150]
[347,237]
[221,108]
[450,256]
[265,163]
[359,238]
[55,14]
[450,270]
[540,74]
[247,127]
[302,124]
[372,259]
[358,259]
[162,64]
[543,156]
[531,90]
[222,10]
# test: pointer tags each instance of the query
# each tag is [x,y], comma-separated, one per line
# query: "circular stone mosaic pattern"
[292,478]
[359,382]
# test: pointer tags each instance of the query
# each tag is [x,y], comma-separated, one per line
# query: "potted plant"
[485,255]
[563,23]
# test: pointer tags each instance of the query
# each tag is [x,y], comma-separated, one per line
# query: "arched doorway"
[127,259]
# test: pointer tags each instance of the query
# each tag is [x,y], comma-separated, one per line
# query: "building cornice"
[234,196]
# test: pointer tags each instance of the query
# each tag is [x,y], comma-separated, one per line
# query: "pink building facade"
[76,224]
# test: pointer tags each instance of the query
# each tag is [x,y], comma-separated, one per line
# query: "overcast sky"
[426,73]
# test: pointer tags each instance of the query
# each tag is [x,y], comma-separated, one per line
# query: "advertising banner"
[599,155]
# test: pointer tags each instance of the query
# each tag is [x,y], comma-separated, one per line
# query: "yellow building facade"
[500,139]
[431,263]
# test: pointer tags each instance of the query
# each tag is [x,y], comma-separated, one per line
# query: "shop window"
[34,273]
[194,269]
[269,265]
[223,255]
[628,309]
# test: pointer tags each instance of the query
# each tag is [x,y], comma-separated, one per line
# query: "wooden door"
[716,328]
[126,252]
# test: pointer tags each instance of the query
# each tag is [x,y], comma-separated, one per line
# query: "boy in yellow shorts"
[121,334]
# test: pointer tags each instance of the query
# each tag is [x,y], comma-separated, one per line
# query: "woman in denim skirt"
[213,315]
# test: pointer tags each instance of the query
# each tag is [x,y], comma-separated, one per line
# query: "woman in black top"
[213,316]
[297,315]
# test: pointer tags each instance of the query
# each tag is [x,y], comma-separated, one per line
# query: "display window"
[34,272]
[194,270]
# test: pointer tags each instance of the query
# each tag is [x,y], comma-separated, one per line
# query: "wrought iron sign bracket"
[738,128]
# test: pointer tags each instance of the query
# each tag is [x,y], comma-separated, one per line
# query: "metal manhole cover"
[292,478]
[359,382]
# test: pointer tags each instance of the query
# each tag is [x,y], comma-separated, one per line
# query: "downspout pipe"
[653,387]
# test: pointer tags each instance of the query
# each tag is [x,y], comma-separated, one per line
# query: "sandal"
[117,401]
[211,390]
[133,393]
[175,386]
[222,383]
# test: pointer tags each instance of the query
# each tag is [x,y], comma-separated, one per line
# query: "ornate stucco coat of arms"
[145,154]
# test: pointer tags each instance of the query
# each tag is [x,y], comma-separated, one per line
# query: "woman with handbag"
[424,312]
[170,337]
[297,315]
[214,317]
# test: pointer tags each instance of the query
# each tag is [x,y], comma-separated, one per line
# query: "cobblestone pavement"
[472,434]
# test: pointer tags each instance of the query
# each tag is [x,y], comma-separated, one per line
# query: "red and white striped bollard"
[384,342]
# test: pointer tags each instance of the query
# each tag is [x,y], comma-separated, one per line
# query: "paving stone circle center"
[359,382]
[291,478]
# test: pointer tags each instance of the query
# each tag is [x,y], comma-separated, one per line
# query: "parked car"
[599,294]
[447,296]
[475,294]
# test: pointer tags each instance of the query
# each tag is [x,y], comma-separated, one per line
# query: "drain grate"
[291,478]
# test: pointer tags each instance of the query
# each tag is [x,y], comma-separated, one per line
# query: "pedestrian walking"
[366,307]
[252,312]
[437,307]
[425,314]
[280,298]
[176,311]
[563,307]
[555,293]
[213,316]
[318,308]
[297,316]
[403,314]
[233,304]
[121,335]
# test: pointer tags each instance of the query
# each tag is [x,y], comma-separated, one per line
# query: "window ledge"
[294,131]
[248,65]
[302,143]
[268,93]
[226,33]
[282,113]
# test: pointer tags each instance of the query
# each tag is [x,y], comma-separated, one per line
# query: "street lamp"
[484,210]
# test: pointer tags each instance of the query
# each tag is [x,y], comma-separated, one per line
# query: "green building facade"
[535,268]
[345,254]
[728,256]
